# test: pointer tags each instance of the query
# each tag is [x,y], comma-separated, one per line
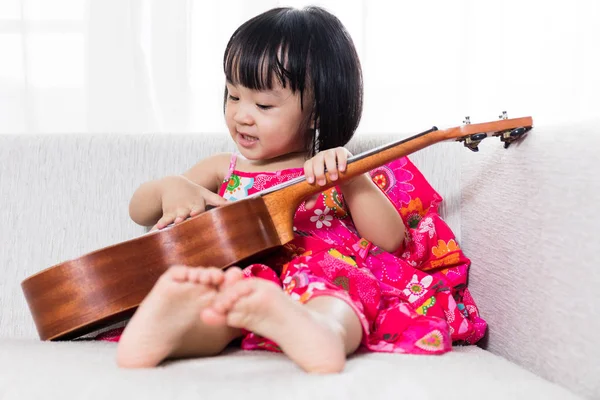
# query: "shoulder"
[210,172]
[221,159]
[221,163]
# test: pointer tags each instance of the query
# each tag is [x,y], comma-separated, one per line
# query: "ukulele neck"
[364,162]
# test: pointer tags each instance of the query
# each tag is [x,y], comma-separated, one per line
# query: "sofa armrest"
[529,225]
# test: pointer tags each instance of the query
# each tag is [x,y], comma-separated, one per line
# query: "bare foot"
[231,276]
[166,314]
[260,306]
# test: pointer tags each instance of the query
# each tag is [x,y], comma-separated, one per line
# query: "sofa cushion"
[87,370]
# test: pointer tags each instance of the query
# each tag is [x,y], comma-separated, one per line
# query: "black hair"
[311,51]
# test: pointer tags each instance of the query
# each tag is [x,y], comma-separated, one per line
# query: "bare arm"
[374,216]
[146,208]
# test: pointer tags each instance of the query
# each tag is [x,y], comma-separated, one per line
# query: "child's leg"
[167,323]
[341,316]
[317,336]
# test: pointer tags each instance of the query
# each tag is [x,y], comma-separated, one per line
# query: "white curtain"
[155,65]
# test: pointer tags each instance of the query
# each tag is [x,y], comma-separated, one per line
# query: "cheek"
[229,113]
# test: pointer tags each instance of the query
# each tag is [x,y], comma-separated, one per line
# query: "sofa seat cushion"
[31,369]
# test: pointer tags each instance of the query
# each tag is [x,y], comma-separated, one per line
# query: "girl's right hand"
[182,198]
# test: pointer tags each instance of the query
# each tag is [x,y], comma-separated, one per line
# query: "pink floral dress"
[413,301]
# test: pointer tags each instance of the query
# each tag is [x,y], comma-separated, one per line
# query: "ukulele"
[106,286]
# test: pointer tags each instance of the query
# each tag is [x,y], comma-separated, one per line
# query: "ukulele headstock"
[508,130]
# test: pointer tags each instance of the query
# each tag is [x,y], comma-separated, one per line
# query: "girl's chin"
[250,155]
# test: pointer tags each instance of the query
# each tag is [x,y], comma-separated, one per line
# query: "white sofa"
[526,217]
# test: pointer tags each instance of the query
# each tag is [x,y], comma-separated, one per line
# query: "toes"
[230,295]
[241,311]
[179,273]
[222,304]
[203,277]
[232,305]
[216,276]
[195,275]
[232,275]
[210,276]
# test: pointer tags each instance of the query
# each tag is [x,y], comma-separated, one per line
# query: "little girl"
[293,99]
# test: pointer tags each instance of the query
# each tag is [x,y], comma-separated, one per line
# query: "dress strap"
[231,166]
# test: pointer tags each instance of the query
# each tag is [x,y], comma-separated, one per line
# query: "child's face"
[265,124]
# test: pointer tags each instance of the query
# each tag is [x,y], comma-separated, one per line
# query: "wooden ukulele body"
[106,286]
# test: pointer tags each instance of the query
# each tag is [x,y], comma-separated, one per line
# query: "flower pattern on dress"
[413,213]
[431,342]
[237,187]
[394,180]
[335,202]
[427,227]
[233,183]
[321,218]
[430,302]
[446,253]
[337,254]
[383,177]
[416,288]
[443,248]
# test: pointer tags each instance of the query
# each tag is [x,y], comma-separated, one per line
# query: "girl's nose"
[242,116]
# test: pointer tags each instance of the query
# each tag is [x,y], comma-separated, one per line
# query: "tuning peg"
[503,116]
[510,136]
[467,120]
[472,141]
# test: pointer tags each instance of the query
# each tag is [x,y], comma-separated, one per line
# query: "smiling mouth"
[248,137]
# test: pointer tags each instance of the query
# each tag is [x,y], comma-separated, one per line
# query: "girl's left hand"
[333,159]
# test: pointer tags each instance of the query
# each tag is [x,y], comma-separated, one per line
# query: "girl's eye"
[263,107]
[232,98]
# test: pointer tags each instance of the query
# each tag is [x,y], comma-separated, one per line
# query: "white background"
[137,66]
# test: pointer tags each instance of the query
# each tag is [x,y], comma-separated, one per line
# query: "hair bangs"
[269,49]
